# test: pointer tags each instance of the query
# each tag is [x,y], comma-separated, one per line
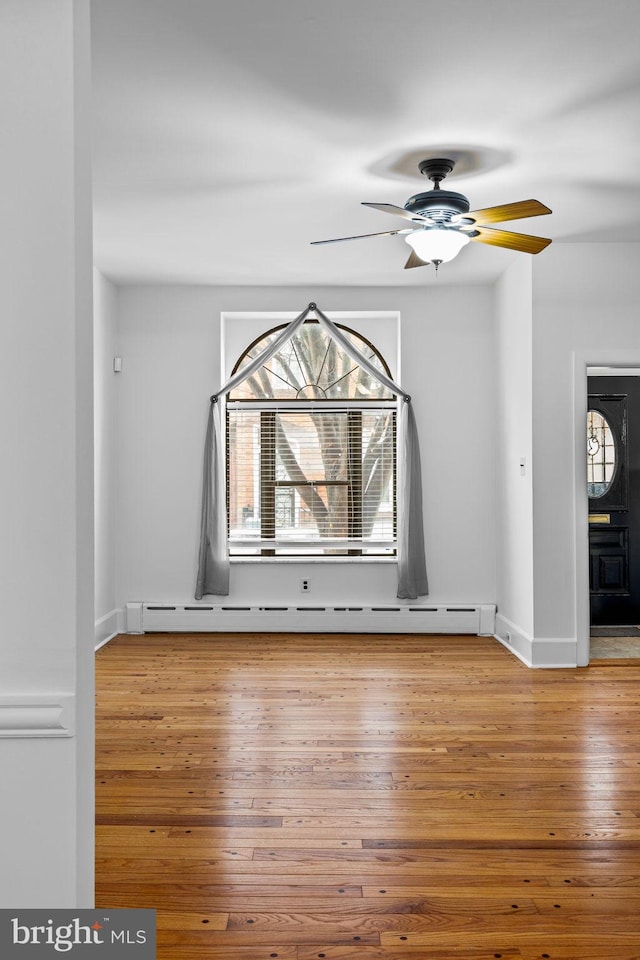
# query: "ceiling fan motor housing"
[439,205]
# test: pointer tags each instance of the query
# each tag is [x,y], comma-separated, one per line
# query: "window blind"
[304,482]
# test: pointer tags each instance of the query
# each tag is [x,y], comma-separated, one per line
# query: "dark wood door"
[613,458]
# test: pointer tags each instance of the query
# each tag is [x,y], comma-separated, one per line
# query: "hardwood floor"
[367,798]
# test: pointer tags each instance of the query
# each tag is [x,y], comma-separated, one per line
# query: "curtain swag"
[213,563]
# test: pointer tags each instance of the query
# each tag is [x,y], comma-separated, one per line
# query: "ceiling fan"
[443,223]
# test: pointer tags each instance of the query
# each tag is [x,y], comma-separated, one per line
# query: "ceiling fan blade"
[523,242]
[397,211]
[507,211]
[362,236]
[414,261]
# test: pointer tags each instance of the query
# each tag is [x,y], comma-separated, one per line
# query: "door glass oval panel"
[601,455]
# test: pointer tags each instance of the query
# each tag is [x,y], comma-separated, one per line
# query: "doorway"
[613,485]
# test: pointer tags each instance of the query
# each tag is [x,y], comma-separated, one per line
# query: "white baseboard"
[106,640]
[542,652]
[108,626]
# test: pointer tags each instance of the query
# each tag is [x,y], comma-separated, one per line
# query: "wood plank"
[184,819]
[188,920]
[209,951]
[404,952]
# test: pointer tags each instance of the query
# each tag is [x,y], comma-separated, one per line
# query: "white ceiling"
[228,134]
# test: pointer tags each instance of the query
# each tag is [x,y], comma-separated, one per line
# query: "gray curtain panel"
[213,565]
[213,559]
[412,570]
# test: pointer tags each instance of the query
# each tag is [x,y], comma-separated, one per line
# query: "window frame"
[316,548]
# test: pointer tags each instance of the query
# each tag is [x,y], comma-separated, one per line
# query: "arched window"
[311,451]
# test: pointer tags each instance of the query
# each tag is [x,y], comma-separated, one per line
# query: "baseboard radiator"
[454,618]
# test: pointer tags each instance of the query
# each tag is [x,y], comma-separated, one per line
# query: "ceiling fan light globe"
[434,244]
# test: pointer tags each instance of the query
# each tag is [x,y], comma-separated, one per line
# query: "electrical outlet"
[305,586]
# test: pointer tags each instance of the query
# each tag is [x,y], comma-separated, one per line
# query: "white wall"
[46,549]
[105,455]
[169,338]
[585,301]
[514,425]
